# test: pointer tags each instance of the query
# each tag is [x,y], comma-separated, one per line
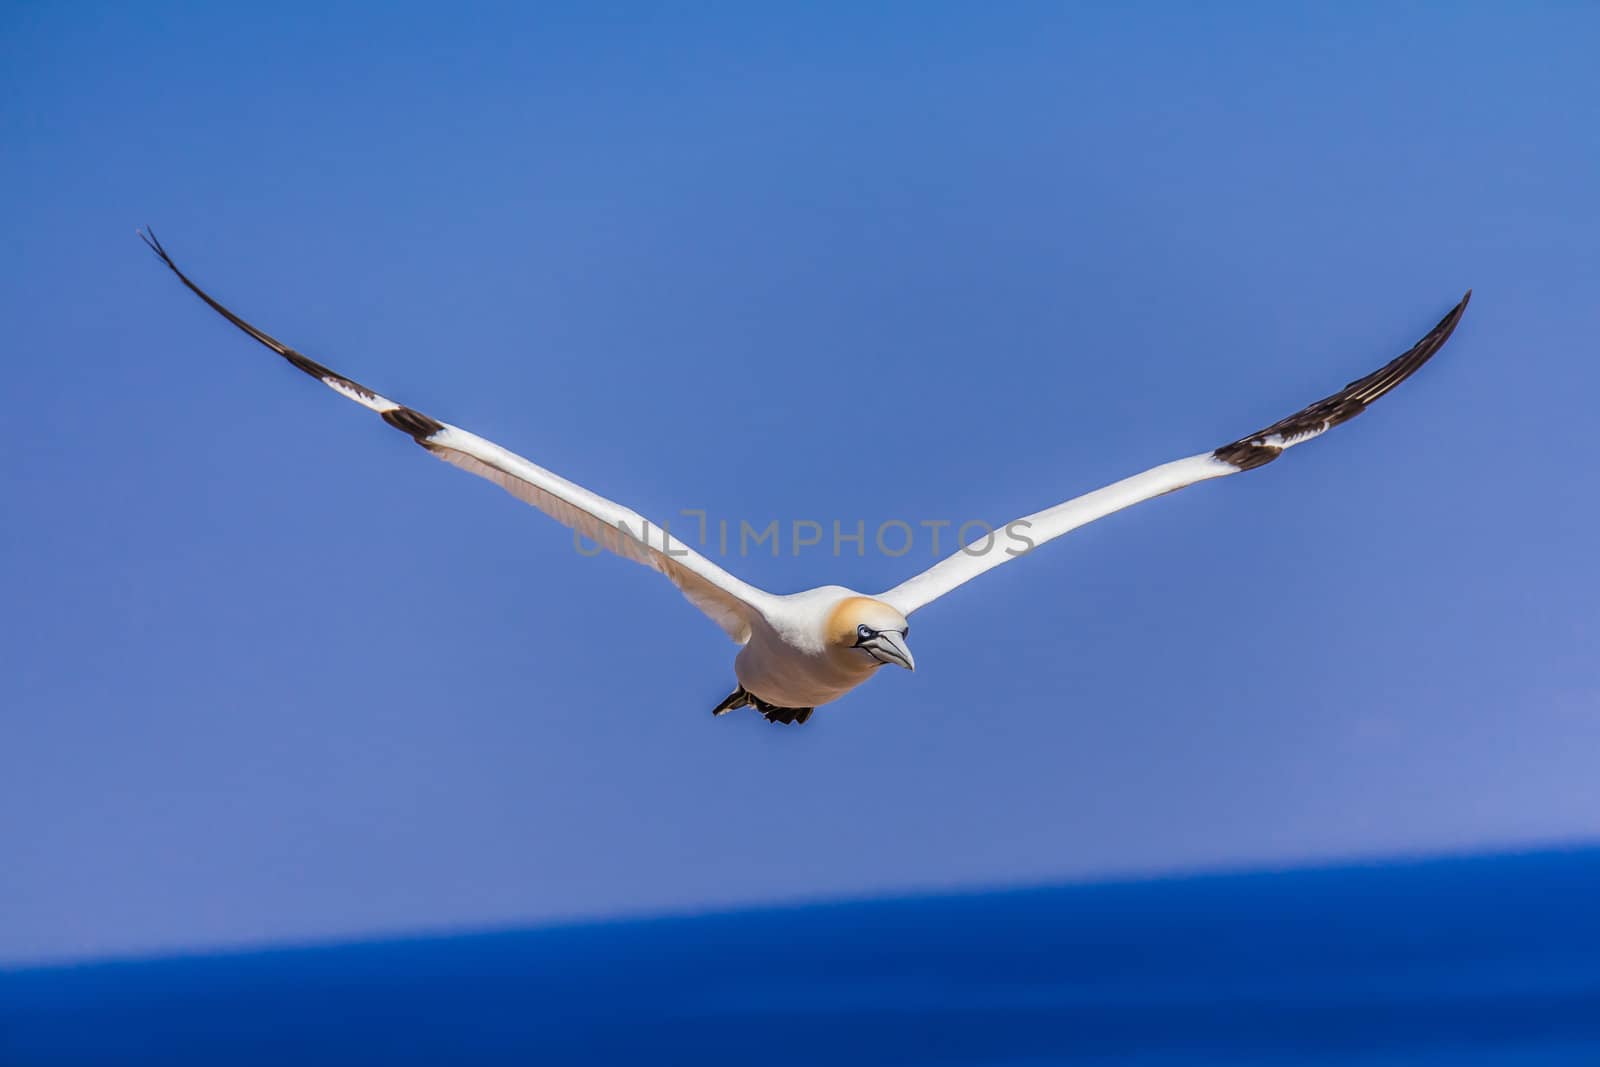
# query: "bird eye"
[863,630]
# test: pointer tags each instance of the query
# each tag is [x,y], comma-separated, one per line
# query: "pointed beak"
[889,646]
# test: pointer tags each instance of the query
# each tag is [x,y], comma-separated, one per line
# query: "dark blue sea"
[1492,960]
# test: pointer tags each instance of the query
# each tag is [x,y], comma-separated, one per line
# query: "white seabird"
[806,649]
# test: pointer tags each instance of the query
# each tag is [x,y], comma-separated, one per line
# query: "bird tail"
[743,698]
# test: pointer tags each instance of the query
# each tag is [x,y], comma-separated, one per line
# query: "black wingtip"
[1251,452]
[1447,325]
[152,242]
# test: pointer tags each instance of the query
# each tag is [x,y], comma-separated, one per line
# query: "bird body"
[801,651]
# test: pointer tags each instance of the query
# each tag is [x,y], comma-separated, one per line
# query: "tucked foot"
[784,715]
[743,698]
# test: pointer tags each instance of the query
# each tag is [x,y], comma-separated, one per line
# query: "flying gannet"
[806,649]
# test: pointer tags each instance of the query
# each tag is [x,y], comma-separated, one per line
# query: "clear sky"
[271,673]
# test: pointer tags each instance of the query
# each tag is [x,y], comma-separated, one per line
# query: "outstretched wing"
[1245,454]
[729,602]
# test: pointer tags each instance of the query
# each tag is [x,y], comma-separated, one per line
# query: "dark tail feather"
[743,698]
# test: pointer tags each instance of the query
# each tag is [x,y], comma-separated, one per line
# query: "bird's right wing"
[1245,454]
[729,602]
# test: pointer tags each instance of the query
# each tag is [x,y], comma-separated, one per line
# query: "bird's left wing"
[729,602]
[1245,454]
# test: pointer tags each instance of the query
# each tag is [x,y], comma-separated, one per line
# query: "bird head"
[871,632]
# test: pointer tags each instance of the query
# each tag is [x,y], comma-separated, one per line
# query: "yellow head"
[862,627]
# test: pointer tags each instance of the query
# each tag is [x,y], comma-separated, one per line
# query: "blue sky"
[272,674]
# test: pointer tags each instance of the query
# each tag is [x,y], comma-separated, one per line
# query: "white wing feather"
[1247,453]
[729,602]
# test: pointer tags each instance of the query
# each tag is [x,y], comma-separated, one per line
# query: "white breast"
[786,662]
